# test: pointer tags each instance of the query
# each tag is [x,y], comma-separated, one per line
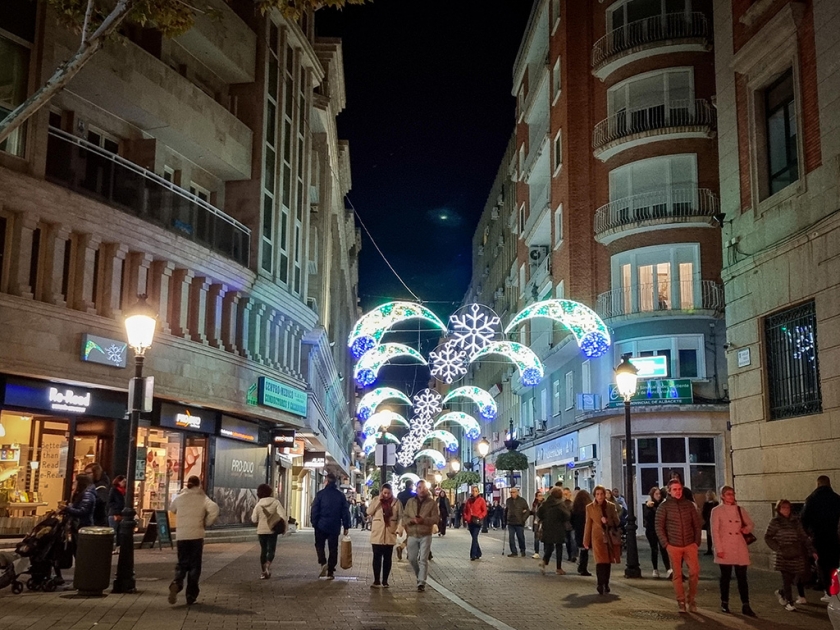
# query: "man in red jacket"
[475,510]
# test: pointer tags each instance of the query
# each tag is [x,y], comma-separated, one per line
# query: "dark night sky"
[429,113]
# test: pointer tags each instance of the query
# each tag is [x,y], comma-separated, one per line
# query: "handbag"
[748,538]
[346,554]
[276,522]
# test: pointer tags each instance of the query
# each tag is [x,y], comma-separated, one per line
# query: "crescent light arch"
[482,398]
[370,441]
[368,366]
[449,440]
[368,331]
[410,476]
[527,362]
[381,419]
[589,330]
[436,456]
[470,425]
[370,401]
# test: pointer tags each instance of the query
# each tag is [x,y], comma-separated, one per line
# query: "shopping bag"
[346,554]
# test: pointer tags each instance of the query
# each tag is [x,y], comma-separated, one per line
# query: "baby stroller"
[8,576]
[48,547]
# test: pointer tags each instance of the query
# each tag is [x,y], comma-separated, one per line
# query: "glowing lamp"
[438,477]
[455,465]
[626,376]
[140,323]
[483,447]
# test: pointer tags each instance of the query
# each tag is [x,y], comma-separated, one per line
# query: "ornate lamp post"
[626,375]
[140,323]
[483,449]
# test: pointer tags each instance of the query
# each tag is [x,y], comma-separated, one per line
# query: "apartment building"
[204,171]
[779,125]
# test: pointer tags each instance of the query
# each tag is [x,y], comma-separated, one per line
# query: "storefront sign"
[656,392]
[562,449]
[239,465]
[314,459]
[187,418]
[237,429]
[63,399]
[271,393]
[110,352]
[283,438]
[651,367]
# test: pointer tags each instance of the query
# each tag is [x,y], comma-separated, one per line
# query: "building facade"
[204,171]
[779,113]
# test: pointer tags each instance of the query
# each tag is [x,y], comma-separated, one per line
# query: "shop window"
[648,450]
[701,450]
[673,450]
[14,78]
[703,479]
[780,129]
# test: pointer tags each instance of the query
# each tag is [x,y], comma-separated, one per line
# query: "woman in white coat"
[267,506]
[729,524]
[384,515]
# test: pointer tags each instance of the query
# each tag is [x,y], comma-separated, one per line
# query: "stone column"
[243,326]
[23,229]
[277,340]
[267,336]
[54,244]
[111,261]
[179,302]
[258,331]
[85,268]
[198,310]
[215,300]
[160,275]
[136,280]
[230,321]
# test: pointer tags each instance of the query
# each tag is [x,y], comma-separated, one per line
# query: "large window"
[685,353]
[692,459]
[793,372]
[652,100]
[657,278]
[780,113]
[654,188]
[623,14]
[14,76]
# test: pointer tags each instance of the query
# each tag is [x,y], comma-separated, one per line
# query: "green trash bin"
[93,560]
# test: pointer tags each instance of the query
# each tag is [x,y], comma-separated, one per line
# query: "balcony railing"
[702,295]
[677,202]
[658,28]
[90,170]
[676,114]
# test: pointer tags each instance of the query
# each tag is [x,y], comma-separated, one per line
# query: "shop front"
[555,461]
[241,464]
[49,432]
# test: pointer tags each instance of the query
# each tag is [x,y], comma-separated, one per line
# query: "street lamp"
[438,477]
[455,465]
[483,449]
[626,375]
[140,323]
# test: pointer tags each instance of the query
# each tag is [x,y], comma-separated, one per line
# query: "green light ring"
[436,456]
[526,361]
[382,419]
[370,401]
[578,318]
[467,422]
[375,358]
[374,324]
[486,405]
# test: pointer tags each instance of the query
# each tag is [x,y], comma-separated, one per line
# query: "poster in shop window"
[239,469]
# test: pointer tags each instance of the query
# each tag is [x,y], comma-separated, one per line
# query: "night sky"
[429,113]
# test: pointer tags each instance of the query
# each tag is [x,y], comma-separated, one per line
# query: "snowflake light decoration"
[115,353]
[421,425]
[472,327]
[427,403]
[448,362]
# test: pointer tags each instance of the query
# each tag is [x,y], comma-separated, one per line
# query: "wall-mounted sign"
[651,367]
[676,391]
[314,459]
[64,399]
[743,357]
[110,352]
[237,429]
[283,438]
[277,395]
[562,449]
[187,418]
[495,389]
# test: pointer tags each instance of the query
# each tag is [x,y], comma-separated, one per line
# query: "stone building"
[778,89]
[204,171]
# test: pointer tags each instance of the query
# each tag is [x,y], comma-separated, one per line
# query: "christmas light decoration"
[427,403]
[486,405]
[589,330]
[436,456]
[530,368]
[370,441]
[367,368]
[448,362]
[380,420]
[472,327]
[470,425]
[410,476]
[368,331]
[370,401]
[449,440]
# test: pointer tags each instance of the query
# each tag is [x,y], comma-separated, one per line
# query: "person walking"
[554,516]
[421,514]
[679,529]
[820,518]
[385,512]
[330,511]
[475,511]
[363,516]
[578,521]
[710,504]
[102,485]
[457,515]
[729,523]
[600,534]
[195,512]
[516,515]
[116,505]
[444,509]
[496,514]
[535,521]
[403,497]
[649,522]
[786,536]
[265,509]
[571,546]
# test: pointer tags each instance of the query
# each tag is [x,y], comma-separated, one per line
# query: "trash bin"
[93,560]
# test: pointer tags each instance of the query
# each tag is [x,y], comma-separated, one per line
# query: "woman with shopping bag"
[270,518]
[384,513]
[601,534]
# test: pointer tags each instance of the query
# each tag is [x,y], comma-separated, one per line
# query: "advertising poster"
[240,468]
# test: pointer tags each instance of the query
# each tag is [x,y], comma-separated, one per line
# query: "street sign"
[656,392]
[651,367]
[386,454]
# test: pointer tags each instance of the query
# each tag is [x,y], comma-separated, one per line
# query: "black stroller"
[48,546]
[8,577]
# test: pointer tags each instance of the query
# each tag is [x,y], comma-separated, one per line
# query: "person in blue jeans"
[475,511]
[517,513]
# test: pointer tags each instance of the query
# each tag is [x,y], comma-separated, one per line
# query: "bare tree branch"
[86,23]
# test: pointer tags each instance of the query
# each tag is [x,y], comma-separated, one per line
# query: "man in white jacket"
[195,512]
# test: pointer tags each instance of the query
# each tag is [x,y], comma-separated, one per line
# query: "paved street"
[495,592]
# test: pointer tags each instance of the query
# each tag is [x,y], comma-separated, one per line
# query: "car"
[834,602]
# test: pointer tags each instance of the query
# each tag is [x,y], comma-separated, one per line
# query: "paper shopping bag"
[346,553]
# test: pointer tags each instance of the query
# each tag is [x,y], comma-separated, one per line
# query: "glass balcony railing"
[674,202]
[90,170]
[686,296]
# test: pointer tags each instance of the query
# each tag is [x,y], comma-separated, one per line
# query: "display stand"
[158,530]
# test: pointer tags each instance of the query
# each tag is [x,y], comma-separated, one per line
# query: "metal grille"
[793,370]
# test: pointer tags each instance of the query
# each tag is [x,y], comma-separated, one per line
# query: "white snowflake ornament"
[472,327]
[448,362]
[427,403]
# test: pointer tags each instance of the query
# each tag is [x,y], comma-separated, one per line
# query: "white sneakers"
[536,556]
[655,573]
[800,601]
[780,597]
[825,598]
[790,608]
[669,573]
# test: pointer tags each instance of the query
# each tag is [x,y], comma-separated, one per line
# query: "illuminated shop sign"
[68,400]
[237,429]
[271,393]
[651,367]
[283,438]
[314,459]
[102,350]
[187,418]
[61,398]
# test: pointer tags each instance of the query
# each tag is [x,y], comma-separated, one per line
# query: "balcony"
[89,170]
[656,35]
[627,128]
[675,206]
[642,301]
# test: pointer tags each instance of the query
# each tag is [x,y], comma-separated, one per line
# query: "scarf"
[387,509]
[121,490]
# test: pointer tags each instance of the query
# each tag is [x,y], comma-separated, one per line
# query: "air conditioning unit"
[312,303]
[312,267]
[537,254]
[501,240]
[543,425]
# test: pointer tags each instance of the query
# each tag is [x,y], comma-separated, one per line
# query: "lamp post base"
[124,581]
[632,570]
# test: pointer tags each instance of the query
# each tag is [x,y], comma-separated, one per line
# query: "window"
[654,188]
[586,377]
[14,79]
[560,290]
[793,373]
[780,127]
[685,353]
[570,390]
[555,397]
[555,81]
[558,226]
[270,152]
[520,102]
[635,18]
[558,151]
[555,15]
[652,100]
[521,225]
[198,191]
[657,278]
[169,174]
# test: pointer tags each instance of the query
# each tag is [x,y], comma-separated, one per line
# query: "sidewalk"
[496,592]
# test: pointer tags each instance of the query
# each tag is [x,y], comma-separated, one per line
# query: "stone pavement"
[495,592]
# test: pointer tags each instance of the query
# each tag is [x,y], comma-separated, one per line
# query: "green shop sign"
[271,393]
[656,392]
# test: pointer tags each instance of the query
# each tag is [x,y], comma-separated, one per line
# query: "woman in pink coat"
[729,524]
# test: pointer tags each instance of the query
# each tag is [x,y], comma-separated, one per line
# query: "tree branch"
[86,23]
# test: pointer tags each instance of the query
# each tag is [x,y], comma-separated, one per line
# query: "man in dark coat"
[330,511]
[444,509]
[517,512]
[407,493]
[102,485]
[820,517]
